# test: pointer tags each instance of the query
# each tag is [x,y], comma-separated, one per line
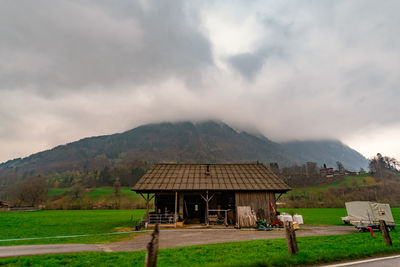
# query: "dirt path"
[188,237]
[172,238]
[10,251]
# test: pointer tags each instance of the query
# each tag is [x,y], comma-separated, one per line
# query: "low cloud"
[55,46]
[289,70]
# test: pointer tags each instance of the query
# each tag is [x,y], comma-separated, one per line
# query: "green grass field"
[49,223]
[57,191]
[109,192]
[106,191]
[348,181]
[99,198]
[319,216]
[64,223]
[271,252]
[327,216]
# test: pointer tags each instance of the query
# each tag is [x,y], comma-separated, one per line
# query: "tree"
[340,167]
[137,173]
[32,191]
[274,165]
[382,165]
[117,187]
[105,176]
[76,191]
[312,170]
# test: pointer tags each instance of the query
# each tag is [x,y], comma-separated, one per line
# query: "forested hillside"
[137,149]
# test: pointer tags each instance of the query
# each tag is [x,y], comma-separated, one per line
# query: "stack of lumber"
[213,219]
[246,217]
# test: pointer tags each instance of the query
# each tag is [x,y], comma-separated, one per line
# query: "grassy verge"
[319,216]
[97,198]
[347,181]
[327,216]
[109,191]
[271,252]
[65,223]
[57,191]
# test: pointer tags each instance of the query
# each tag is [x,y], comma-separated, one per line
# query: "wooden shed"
[209,193]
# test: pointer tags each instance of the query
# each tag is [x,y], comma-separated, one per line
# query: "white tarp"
[284,217]
[364,213]
[298,218]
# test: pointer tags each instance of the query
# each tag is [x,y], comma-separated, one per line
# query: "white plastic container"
[298,218]
[285,218]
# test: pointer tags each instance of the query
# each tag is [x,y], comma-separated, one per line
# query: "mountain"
[209,141]
[326,152]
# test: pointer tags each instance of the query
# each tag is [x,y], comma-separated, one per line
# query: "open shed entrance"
[191,207]
[194,209]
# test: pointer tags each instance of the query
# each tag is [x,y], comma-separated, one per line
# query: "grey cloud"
[75,44]
[321,69]
[248,64]
[273,45]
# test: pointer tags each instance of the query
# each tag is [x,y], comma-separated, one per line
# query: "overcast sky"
[288,69]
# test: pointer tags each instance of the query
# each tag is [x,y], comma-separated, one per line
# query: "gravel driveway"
[170,238]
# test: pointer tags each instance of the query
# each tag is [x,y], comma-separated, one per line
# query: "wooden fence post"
[152,248]
[291,238]
[385,232]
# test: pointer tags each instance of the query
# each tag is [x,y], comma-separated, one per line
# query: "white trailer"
[363,214]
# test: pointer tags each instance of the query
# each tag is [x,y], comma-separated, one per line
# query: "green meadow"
[348,181]
[271,252]
[109,192]
[50,223]
[98,198]
[57,191]
[327,216]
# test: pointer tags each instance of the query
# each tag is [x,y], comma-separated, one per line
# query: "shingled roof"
[194,177]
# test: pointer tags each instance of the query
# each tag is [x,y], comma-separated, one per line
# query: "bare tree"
[32,191]
[382,165]
[340,167]
[117,187]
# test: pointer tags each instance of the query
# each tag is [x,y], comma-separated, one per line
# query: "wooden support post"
[291,238]
[385,232]
[180,205]
[207,200]
[176,206]
[236,209]
[147,199]
[147,207]
[226,218]
[152,248]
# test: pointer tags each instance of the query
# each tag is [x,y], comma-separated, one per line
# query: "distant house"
[204,193]
[327,172]
[330,172]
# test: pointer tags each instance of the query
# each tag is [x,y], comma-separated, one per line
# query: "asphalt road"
[10,251]
[171,238]
[390,261]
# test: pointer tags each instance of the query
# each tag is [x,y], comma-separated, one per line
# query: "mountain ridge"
[209,141]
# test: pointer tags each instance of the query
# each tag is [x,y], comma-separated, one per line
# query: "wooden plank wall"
[258,201]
